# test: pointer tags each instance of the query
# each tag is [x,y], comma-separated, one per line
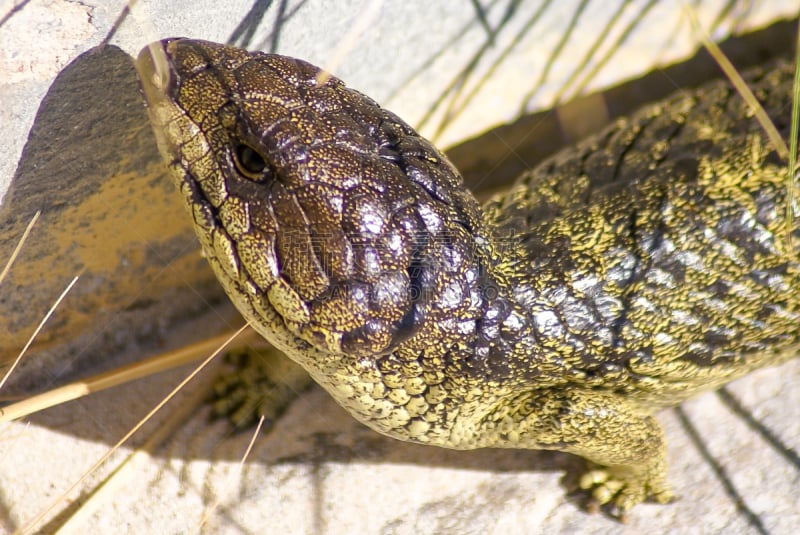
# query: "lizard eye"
[249,162]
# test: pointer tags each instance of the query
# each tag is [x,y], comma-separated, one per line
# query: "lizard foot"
[263,383]
[621,488]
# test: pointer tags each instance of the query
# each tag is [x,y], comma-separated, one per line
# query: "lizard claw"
[621,489]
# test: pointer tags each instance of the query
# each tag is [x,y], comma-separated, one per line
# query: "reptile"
[619,277]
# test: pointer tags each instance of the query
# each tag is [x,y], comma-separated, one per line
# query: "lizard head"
[333,226]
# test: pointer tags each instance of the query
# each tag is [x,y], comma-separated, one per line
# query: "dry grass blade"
[125,374]
[37,331]
[20,243]
[787,153]
[129,468]
[211,508]
[29,527]
[792,182]
[740,85]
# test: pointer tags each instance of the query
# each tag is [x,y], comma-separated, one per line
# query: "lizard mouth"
[322,213]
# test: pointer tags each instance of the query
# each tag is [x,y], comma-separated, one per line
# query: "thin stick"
[38,330]
[129,468]
[28,528]
[118,376]
[791,181]
[213,507]
[739,83]
[18,248]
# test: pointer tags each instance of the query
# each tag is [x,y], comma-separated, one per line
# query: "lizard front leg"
[625,441]
[264,384]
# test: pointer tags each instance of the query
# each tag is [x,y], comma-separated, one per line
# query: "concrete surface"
[89,165]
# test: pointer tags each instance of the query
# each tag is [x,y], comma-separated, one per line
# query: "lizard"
[619,277]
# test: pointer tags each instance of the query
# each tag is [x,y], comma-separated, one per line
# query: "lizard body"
[619,277]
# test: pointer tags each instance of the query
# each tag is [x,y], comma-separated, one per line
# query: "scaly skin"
[619,277]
